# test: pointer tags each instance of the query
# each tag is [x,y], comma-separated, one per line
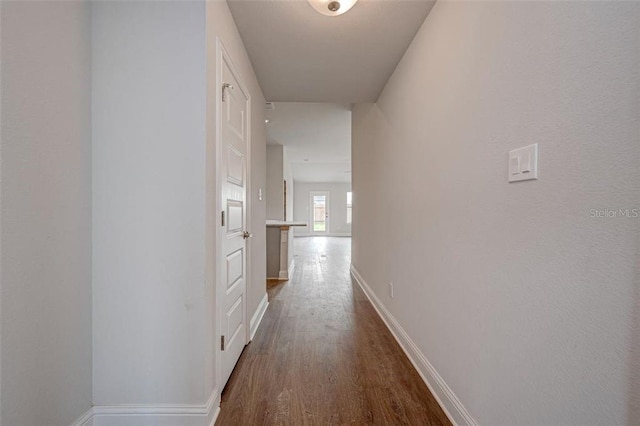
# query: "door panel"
[233,170]
[235,268]
[235,215]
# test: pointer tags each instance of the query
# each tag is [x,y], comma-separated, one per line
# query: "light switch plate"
[523,163]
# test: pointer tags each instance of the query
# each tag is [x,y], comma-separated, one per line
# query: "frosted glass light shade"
[332,7]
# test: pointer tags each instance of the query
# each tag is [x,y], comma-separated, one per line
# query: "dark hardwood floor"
[322,356]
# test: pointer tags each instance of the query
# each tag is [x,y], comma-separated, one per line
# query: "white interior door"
[234,131]
[319,209]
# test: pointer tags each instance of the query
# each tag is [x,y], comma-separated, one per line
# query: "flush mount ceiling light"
[332,7]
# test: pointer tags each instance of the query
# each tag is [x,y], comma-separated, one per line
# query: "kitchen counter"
[280,262]
[284,223]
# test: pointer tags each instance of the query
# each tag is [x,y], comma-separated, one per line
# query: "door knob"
[246,234]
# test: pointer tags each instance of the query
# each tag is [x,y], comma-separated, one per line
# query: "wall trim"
[85,419]
[161,414]
[331,234]
[452,406]
[256,319]
[215,415]
[292,267]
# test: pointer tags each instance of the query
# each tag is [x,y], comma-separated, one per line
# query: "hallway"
[473,164]
[323,356]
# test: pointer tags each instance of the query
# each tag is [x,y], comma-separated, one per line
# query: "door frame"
[327,230]
[222,56]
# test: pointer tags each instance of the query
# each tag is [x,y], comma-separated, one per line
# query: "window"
[349,203]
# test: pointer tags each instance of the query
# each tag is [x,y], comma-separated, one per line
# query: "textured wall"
[46,212]
[523,300]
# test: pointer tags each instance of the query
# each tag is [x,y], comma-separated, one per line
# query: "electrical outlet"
[391,290]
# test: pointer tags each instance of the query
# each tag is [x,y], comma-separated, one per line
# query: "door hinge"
[222,218]
[222,343]
[225,86]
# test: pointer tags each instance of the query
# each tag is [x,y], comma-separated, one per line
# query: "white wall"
[46,212]
[149,93]
[287,175]
[155,212]
[153,297]
[278,170]
[275,186]
[338,225]
[524,303]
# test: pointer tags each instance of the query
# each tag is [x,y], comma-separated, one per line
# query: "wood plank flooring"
[322,356]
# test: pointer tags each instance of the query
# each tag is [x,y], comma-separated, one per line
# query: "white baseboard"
[452,406]
[286,275]
[85,420]
[256,319]
[156,415]
[292,268]
[323,235]
[215,415]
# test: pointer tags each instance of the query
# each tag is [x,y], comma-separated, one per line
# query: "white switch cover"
[523,163]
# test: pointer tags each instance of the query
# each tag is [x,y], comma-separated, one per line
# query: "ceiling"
[300,55]
[316,137]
